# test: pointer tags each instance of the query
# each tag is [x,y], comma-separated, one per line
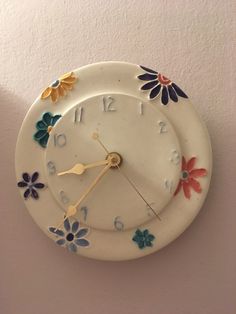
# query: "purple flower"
[30,185]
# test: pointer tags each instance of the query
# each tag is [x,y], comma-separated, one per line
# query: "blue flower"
[71,236]
[143,238]
[29,182]
[44,128]
[157,84]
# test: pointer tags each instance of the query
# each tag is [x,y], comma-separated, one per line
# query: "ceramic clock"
[112,161]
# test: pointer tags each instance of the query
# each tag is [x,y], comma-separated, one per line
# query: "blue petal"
[39,185]
[47,117]
[22,184]
[72,247]
[34,177]
[26,177]
[40,125]
[67,224]
[164,96]
[40,134]
[149,85]
[44,140]
[61,241]
[34,194]
[82,242]
[81,233]
[148,70]
[56,231]
[27,193]
[147,77]
[155,91]
[179,91]
[172,93]
[75,226]
[55,118]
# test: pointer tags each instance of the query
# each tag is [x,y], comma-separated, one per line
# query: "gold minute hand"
[80,168]
[72,209]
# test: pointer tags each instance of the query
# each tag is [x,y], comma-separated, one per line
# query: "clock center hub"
[115,158]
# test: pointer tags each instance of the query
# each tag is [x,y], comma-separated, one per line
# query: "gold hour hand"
[80,168]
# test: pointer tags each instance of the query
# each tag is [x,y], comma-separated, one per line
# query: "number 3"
[118,224]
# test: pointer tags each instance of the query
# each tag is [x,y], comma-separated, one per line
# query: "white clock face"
[112,161]
[151,159]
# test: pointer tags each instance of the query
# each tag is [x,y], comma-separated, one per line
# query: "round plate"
[189,186]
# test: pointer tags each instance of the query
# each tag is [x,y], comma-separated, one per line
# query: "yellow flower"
[60,87]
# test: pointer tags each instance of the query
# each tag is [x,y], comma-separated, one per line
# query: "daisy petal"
[55,119]
[39,134]
[46,93]
[26,177]
[149,85]
[40,125]
[54,95]
[69,80]
[34,177]
[22,184]
[164,96]
[34,194]
[186,189]
[56,231]
[191,163]
[39,185]
[47,118]
[44,140]
[195,185]
[61,91]
[60,241]
[66,86]
[155,91]
[195,173]
[67,224]
[178,187]
[72,247]
[81,233]
[66,75]
[172,93]
[75,226]
[148,70]
[179,91]
[147,77]
[27,193]
[82,242]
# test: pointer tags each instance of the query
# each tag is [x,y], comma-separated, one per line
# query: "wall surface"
[193,42]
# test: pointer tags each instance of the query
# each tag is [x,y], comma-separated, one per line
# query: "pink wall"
[193,42]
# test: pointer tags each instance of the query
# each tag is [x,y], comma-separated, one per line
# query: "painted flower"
[31,185]
[71,236]
[143,238]
[44,128]
[188,177]
[60,87]
[156,84]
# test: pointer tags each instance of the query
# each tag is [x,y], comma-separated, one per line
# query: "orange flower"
[60,87]
[188,176]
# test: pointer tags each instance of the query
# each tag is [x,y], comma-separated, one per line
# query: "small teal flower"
[143,238]
[44,127]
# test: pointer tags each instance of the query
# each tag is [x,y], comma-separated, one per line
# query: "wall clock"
[112,161]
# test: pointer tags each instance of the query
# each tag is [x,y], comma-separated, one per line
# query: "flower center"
[55,84]
[70,237]
[49,129]
[185,175]
[163,80]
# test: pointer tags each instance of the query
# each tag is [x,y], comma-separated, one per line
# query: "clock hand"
[72,209]
[95,136]
[80,168]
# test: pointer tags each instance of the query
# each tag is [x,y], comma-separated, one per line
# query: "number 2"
[108,104]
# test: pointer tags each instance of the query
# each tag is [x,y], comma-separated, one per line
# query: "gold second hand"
[95,136]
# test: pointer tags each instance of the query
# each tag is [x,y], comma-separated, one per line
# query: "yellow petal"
[66,75]
[69,80]
[61,91]
[54,94]
[46,93]
[66,86]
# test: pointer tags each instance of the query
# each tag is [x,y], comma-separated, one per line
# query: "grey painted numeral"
[78,114]
[118,224]
[162,127]
[168,184]
[175,157]
[51,167]
[108,104]
[84,209]
[59,140]
[64,198]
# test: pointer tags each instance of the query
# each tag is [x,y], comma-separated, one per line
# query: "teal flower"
[143,238]
[44,127]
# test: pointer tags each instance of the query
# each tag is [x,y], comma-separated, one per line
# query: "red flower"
[188,176]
